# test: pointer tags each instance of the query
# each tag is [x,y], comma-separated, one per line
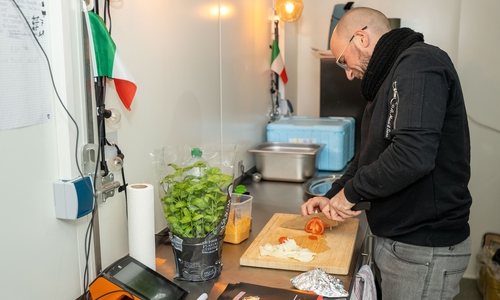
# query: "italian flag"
[277,64]
[106,61]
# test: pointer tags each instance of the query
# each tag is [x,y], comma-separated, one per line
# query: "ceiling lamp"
[289,10]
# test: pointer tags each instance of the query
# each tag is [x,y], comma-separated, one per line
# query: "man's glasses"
[343,65]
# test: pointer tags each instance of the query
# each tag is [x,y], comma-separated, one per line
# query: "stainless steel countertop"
[269,197]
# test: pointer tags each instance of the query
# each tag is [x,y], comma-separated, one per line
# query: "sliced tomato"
[282,239]
[315,225]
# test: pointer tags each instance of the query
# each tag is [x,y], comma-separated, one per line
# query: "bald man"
[414,159]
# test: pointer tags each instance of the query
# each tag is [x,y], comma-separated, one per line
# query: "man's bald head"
[359,17]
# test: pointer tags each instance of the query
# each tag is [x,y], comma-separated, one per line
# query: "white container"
[239,222]
[336,133]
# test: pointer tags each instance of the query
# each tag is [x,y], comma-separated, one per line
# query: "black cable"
[86,276]
[88,236]
[244,174]
[87,244]
[105,10]
[122,188]
[100,94]
[109,15]
[88,233]
[272,108]
[88,239]
[57,94]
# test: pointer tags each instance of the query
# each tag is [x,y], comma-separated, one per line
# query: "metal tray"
[318,186]
[295,162]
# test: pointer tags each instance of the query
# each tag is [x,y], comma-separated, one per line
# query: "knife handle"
[363,205]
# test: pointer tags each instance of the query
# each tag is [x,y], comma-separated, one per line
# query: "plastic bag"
[221,156]
[489,273]
[196,207]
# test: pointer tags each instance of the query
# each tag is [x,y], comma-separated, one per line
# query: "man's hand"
[340,207]
[313,205]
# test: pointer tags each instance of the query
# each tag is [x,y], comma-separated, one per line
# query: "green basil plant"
[194,205]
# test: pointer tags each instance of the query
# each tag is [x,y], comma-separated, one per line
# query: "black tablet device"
[141,281]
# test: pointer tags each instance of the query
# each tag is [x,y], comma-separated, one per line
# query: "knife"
[300,222]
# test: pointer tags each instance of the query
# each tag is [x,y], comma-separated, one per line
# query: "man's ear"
[363,38]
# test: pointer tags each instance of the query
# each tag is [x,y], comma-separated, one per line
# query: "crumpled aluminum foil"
[321,283]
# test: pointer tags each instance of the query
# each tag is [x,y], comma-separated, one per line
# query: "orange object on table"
[106,290]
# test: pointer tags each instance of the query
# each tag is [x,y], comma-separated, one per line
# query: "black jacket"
[414,159]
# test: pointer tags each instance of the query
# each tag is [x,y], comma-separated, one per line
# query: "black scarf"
[387,50]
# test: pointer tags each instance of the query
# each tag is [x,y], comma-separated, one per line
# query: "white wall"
[464,30]
[477,64]
[42,256]
[245,75]
[313,28]
[200,80]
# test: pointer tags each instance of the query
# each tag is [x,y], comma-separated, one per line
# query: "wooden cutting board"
[334,247]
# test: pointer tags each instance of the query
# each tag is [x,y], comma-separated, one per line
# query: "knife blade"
[300,222]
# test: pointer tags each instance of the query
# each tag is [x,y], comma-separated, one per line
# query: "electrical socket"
[241,168]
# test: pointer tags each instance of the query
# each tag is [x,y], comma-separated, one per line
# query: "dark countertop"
[269,197]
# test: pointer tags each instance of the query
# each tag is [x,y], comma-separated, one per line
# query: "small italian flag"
[277,64]
[106,61]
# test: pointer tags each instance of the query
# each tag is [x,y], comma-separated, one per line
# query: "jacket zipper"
[393,112]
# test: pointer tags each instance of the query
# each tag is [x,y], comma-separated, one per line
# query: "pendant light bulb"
[289,10]
[115,164]
[114,118]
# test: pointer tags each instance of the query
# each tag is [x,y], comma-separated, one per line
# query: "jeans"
[409,272]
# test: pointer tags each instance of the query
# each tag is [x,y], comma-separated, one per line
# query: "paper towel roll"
[141,231]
